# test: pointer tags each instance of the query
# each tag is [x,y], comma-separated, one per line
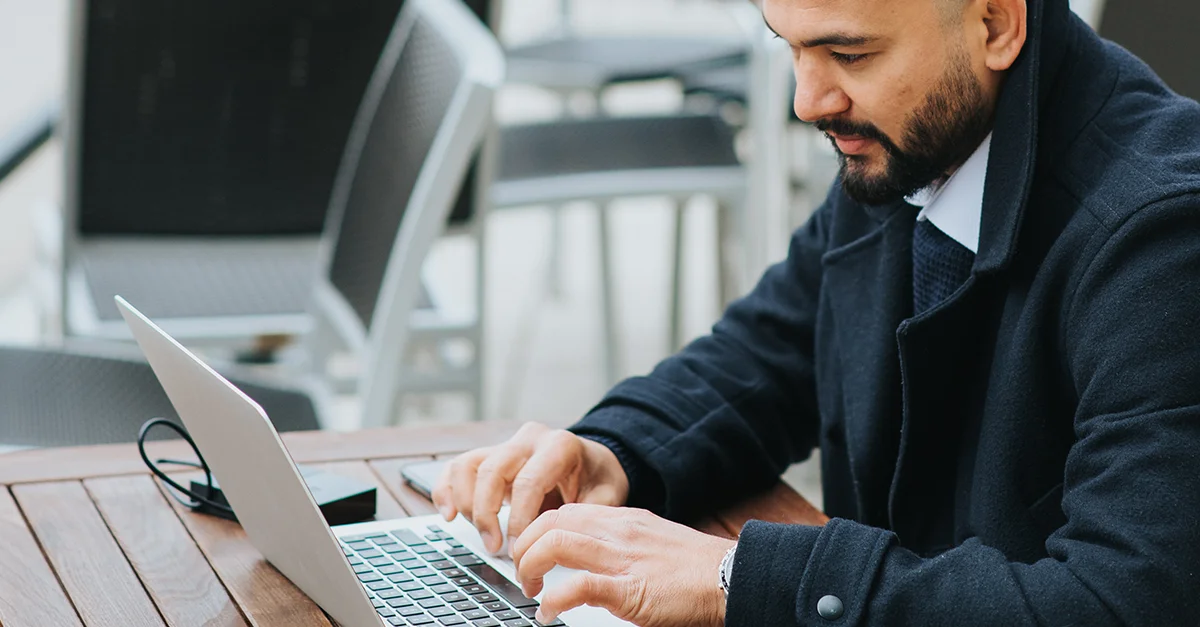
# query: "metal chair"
[426,112]
[71,398]
[198,175]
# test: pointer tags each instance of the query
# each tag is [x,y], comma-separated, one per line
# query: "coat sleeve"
[732,410]
[1129,553]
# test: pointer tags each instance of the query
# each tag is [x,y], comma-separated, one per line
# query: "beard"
[941,134]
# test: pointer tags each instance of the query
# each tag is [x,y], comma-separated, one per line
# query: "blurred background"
[638,170]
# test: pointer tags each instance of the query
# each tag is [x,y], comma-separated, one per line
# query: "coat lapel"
[868,286]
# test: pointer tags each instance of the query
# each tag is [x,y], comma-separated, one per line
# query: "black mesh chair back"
[56,398]
[1163,34]
[224,117]
[396,143]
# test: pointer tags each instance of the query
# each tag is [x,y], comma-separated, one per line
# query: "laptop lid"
[256,474]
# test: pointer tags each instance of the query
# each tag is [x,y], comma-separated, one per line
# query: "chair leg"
[554,273]
[676,324]
[723,270]
[611,355]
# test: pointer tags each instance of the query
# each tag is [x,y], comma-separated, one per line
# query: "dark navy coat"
[1025,453]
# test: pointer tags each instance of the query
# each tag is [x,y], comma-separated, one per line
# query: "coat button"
[830,607]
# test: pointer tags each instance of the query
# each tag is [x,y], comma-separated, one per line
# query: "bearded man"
[988,329]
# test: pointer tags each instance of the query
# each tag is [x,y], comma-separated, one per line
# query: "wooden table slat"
[388,472]
[62,464]
[264,595]
[180,581]
[386,506]
[31,593]
[80,547]
[780,504]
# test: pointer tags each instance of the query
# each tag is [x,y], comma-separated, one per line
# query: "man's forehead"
[798,20]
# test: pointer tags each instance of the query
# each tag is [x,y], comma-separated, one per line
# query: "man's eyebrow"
[832,39]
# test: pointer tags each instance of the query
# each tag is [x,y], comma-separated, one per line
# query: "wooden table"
[88,537]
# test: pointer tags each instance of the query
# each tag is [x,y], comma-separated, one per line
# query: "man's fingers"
[491,484]
[568,549]
[462,473]
[581,589]
[591,520]
[548,467]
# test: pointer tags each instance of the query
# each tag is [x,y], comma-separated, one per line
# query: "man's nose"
[817,95]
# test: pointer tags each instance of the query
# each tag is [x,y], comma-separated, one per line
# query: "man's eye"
[847,59]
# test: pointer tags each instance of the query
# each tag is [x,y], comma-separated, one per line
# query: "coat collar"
[1012,161]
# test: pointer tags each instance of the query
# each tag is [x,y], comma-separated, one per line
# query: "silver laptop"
[417,571]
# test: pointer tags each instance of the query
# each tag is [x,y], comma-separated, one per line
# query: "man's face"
[895,84]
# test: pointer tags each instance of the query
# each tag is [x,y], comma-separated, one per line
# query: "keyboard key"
[454,597]
[379,561]
[390,569]
[400,602]
[474,589]
[432,580]
[486,597]
[347,551]
[496,606]
[354,560]
[529,612]
[517,622]
[423,549]
[439,611]
[385,612]
[397,621]
[487,622]
[554,623]
[454,543]
[423,619]
[369,576]
[397,551]
[428,603]
[377,602]
[506,615]
[422,572]
[442,565]
[444,588]
[400,578]
[390,594]
[502,586]
[356,538]
[434,528]
[468,560]
[464,606]
[410,611]
[407,536]
[451,620]
[474,614]
[433,556]
[455,552]
[462,581]
[417,595]
[369,553]
[410,586]
[360,546]
[454,572]
[383,540]
[361,568]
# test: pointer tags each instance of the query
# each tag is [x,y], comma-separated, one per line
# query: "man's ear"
[1006,22]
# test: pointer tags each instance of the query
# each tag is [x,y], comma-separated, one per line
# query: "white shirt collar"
[956,206]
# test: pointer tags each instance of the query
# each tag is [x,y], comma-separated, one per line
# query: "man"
[1004,383]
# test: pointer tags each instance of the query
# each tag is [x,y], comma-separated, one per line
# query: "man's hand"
[537,469]
[641,568]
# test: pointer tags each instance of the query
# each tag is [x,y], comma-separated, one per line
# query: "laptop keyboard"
[433,581]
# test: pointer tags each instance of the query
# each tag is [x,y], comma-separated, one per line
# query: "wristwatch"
[726,570]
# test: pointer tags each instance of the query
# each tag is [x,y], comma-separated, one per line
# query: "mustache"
[866,130]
